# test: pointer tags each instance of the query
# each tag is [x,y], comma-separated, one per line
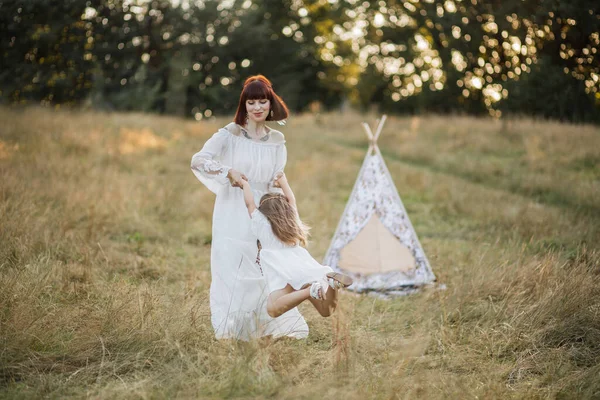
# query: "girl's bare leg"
[283,300]
[326,307]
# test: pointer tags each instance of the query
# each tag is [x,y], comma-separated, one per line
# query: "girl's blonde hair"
[284,219]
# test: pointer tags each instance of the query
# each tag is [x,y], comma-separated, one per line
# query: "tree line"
[190,57]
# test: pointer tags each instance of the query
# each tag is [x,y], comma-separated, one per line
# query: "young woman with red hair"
[244,150]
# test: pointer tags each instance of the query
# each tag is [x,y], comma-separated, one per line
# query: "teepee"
[375,242]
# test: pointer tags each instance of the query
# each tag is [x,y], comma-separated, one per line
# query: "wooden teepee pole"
[380,127]
[369,136]
[373,137]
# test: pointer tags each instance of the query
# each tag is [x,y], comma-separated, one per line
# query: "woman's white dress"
[284,264]
[238,291]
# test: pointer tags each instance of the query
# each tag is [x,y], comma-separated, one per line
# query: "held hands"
[236,178]
[280,179]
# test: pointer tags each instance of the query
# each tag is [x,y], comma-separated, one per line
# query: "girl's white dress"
[238,291]
[284,264]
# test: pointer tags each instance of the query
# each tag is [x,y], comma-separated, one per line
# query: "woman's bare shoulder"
[276,136]
[233,128]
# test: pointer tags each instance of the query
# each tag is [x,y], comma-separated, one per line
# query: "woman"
[246,149]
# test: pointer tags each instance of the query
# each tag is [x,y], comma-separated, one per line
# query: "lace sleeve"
[206,164]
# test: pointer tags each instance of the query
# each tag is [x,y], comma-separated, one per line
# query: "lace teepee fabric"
[375,193]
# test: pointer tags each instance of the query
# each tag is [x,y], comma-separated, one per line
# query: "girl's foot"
[338,281]
[317,290]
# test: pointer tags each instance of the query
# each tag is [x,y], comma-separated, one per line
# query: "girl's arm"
[287,190]
[248,197]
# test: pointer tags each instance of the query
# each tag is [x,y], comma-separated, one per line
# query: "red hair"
[259,87]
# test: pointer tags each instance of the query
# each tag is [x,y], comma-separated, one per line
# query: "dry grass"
[104,262]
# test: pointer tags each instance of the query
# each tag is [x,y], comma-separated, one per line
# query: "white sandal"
[338,281]
[318,290]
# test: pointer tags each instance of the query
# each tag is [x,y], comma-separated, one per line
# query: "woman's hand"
[236,178]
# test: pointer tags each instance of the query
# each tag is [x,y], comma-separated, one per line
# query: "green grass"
[105,262]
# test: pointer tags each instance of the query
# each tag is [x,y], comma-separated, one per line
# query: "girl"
[291,273]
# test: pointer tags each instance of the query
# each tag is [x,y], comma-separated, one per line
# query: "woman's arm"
[282,182]
[207,167]
[248,197]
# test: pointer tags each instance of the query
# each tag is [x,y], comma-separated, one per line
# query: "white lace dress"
[284,264]
[238,290]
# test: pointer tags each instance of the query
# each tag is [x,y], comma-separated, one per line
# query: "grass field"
[105,244]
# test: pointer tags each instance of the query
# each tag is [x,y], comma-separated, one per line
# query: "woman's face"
[258,110]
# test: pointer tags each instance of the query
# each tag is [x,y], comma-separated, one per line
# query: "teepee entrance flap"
[375,250]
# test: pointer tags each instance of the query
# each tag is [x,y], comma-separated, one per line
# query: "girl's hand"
[236,178]
[279,179]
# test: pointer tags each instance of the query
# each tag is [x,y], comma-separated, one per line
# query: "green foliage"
[43,54]
[498,45]
[548,92]
[476,57]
